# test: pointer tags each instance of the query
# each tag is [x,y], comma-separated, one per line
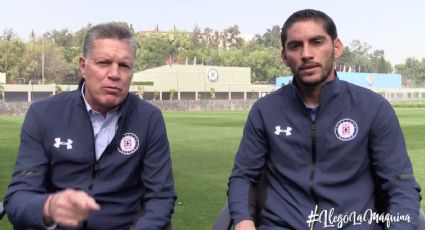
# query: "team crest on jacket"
[346,129]
[129,144]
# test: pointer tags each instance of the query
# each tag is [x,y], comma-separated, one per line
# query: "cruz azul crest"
[129,144]
[346,129]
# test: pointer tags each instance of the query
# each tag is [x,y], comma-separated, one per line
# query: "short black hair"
[309,14]
[113,30]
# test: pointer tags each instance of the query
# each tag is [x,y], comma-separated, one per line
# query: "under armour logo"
[279,130]
[58,143]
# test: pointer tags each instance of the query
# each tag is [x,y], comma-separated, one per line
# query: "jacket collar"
[328,91]
[123,108]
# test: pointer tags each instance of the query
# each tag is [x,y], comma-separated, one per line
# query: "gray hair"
[112,30]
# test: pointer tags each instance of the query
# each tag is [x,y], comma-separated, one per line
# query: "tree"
[154,50]
[234,57]
[156,94]
[358,56]
[80,35]
[58,89]
[266,65]
[378,62]
[271,38]
[180,44]
[360,48]
[140,91]
[211,38]
[413,72]
[62,37]
[231,37]
[11,61]
[72,54]
[196,37]
[62,48]
[212,93]
[172,94]
[1,92]
[9,35]
[55,65]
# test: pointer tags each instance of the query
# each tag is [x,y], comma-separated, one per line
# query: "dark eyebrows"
[299,42]
[293,43]
[318,37]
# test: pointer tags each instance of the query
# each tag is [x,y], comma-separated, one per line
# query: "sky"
[395,26]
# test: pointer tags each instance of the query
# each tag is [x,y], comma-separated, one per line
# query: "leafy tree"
[172,94]
[196,37]
[413,72]
[271,38]
[1,92]
[62,48]
[9,35]
[231,37]
[378,62]
[180,44]
[11,61]
[154,50]
[360,57]
[352,59]
[360,48]
[78,39]
[55,66]
[234,57]
[62,37]
[211,38]
[266,65]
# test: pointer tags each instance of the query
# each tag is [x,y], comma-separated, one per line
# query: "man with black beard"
[324,145]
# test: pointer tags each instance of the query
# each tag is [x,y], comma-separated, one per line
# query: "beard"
[326,70]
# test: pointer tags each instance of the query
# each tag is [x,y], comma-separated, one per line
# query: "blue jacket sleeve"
[249,161]
[157,178]
[27,191]
[393,168]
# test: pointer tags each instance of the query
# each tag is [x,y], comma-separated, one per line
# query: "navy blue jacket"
[354,147]
[133,174]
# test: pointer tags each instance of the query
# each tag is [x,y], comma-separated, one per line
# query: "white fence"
[29,93]
[404,94]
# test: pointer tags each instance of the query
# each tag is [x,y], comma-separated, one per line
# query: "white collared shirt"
[104,128]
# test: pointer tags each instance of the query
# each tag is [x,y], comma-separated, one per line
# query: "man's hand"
[68,208]
[245,225]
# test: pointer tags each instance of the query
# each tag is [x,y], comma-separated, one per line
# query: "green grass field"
[203,145]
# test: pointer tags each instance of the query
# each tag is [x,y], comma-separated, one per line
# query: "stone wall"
[20,108]
[13,108]
[204,105]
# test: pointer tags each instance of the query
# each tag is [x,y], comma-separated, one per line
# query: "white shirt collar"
[89,108]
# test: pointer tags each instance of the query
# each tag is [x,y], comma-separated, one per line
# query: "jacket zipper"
[313,167]
[96,161]
[93,174]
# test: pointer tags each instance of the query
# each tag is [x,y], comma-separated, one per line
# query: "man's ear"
[338,48]
[284,59]
[82,64]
